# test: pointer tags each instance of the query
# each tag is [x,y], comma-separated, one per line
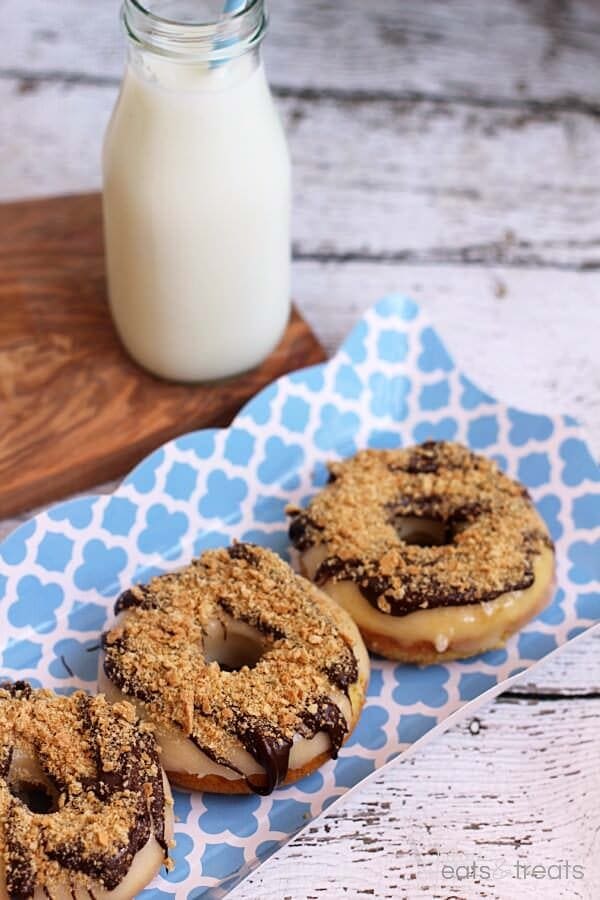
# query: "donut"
[251,675]
[85,808]
[434,552]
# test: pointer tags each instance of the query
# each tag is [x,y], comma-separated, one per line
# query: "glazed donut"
[85,808]
[251,675]
[433,551]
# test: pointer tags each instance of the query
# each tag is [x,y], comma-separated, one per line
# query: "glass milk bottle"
[196,192]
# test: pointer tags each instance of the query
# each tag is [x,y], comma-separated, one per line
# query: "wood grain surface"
[74,408]
[473,798]
[447,149]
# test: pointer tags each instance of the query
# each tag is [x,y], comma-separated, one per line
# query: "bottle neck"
[232,35]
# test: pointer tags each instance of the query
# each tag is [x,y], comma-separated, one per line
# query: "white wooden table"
[448,150]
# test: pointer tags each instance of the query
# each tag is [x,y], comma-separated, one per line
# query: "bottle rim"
[232,35]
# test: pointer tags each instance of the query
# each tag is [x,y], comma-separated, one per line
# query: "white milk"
[197,210]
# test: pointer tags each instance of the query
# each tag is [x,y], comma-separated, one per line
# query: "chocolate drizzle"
[19,864]
[157,800]
[134,597]
[300,530]
[323,715]
[114,672]
[243,551]
[269,748]
[423,459]
[19,689]
[336,569]
[343,672]
[208,751]
[374,588]
[264,743]
[110,868]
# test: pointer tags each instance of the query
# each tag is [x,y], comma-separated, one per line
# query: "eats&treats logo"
[461,870]
[464,876]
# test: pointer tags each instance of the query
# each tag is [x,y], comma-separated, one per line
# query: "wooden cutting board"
[74,409]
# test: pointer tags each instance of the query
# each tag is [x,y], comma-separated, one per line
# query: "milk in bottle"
[196,195]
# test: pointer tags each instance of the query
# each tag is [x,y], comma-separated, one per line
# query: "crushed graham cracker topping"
[100,770]
[487,531]
[155,654]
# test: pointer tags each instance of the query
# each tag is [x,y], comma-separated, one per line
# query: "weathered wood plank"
[574,672]
[495,52]
[397,181]
[470,797]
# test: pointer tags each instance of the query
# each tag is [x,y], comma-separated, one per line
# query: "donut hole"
[233,645]
[38,798]
[422,532]
[28,782]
